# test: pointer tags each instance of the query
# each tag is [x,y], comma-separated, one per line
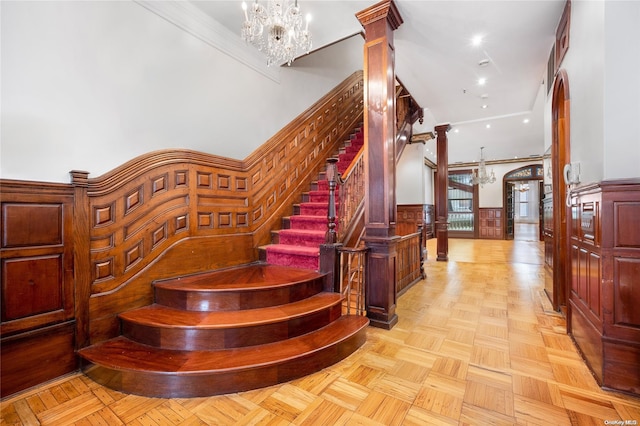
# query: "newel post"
[329,260]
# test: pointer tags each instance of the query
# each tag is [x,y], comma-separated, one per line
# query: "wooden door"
[509,188]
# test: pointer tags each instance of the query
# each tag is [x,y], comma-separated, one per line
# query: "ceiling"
[438,64]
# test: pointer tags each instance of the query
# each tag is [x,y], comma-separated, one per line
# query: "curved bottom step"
[130,367]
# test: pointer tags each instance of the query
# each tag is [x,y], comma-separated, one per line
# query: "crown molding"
[194,21]
[533,159]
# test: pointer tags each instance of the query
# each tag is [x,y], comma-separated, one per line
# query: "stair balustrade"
[346,266]
[351,196]
[352,279]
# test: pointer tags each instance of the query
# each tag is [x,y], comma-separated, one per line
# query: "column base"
[387,325]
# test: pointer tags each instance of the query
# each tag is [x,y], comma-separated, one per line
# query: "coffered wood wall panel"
[38,298]
[176,212]
[605,290]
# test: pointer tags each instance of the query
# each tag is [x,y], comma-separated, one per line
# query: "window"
[523,200]
[461,202]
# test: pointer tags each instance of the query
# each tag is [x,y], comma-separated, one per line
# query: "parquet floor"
[473,345]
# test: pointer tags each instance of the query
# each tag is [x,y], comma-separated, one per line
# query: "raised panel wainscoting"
[38,303]
[605,290]
[491,223]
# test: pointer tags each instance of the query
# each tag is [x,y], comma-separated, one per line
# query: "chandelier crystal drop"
[277,30]
[480,175]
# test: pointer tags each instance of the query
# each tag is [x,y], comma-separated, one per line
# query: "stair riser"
[291,259]
[237,300]
[302,240]
[314,210]
[180,385]
[194,338]
[315,224]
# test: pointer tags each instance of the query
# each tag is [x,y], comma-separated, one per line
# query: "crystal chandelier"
[480,175]
[276,30]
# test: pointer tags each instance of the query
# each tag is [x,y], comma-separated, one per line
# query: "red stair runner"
[299,244]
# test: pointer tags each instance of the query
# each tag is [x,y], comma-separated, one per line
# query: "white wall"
[429,185]
[602,64]
[622,90]
[410,175]
[584,63]
[491,194]
[91,85]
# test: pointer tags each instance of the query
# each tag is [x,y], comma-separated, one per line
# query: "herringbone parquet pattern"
[474,345]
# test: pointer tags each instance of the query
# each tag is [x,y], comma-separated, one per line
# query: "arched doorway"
[533,173]
[560,155]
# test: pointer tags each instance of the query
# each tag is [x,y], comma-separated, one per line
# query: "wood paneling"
[430,222]
[176,212]
[605,291]
[410,216]
[491,223]
[31,358]
[38,304]
[409,263]
[547,232]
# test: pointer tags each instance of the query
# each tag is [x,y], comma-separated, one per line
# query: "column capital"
[442,128]
[386,9]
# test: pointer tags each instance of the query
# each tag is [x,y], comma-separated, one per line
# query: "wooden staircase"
[226,331]
[297,244]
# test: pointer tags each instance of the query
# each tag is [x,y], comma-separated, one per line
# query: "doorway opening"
[560,155]
[523,193]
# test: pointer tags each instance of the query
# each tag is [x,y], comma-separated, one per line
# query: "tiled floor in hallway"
[473,345]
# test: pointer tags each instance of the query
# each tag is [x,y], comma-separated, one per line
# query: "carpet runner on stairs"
[298,244]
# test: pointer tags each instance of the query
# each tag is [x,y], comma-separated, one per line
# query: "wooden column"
[379,21]
[81,255]
[442,184]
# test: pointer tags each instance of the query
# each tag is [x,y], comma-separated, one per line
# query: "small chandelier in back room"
[276,30]
[480,176]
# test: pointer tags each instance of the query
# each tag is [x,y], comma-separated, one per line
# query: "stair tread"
[163,316]
[250,277]
[123,354]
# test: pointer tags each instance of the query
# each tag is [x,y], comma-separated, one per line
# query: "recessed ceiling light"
[525,121]
[485,106]
[456,130]
[476,40]
[482,81]
[488,126]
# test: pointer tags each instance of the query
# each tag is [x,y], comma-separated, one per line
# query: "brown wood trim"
[441,185]
[562,35]
[560,155]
